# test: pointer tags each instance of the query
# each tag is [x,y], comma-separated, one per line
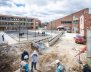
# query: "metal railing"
[55,38]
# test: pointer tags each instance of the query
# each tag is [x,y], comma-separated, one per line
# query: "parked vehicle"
[79,39]
[68,31]
[61,28]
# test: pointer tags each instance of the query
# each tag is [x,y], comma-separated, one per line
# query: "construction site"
[45,36]
[51,46]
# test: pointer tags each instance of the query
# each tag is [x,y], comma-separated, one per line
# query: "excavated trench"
[10,58]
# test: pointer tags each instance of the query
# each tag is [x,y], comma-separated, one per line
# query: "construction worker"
[3,37]
[38,33]
[86,68]
[23,54]
[60,67]
[34,57]
[24,67]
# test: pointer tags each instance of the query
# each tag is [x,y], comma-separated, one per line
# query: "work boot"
[31,70]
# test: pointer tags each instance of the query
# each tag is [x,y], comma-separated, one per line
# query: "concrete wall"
[82,25]
[89,46]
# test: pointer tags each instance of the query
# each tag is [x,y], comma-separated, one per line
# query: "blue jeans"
[33,65]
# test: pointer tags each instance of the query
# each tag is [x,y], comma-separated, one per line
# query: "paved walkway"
[7,39]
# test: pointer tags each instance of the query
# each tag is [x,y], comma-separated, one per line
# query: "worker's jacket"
[60,68]
[23,54]
[34,57]
[24,66]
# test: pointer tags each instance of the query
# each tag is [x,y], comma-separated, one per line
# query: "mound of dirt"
[7,58]
[45,62]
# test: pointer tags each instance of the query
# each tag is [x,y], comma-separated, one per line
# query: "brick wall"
[74,17]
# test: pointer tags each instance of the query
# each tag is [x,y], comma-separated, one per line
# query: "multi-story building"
[77,22]
[89,24]
[15,22]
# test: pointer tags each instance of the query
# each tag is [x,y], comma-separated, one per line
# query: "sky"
[44,10]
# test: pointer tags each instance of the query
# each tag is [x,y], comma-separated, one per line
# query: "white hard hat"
[26,57]
[24,50]
[57,61]
[35,52]
[23,63]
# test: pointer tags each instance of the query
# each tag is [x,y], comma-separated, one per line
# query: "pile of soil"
[7,59]
[10,56]
[45,62]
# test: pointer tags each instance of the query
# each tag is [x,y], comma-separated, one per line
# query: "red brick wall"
[84,12]
[36,23]
[89,24]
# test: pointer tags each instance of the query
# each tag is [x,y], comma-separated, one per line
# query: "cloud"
[5,3]
[19,5]
[45,10]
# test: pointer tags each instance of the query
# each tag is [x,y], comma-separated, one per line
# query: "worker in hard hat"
[24,67]
[34,57]
[25,52]
[60,67]
[86,67]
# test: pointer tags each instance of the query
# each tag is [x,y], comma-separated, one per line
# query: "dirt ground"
[65,49]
